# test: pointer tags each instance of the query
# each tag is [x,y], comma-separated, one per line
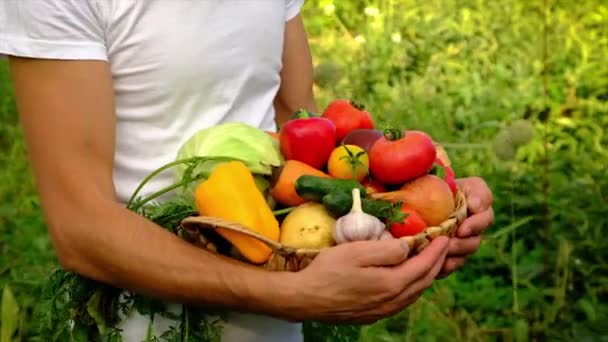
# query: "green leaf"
[588,308]
[521,330]
[93,310]
[10,315]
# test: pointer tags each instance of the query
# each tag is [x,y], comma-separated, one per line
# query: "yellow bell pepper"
[230,193]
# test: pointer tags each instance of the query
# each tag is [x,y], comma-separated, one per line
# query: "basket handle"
[193,223]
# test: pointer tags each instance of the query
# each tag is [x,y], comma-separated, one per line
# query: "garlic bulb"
[357,225]
[386,235]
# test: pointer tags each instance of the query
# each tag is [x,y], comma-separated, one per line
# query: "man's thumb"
[388,252]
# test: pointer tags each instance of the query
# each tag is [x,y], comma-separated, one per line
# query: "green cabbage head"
[256,148]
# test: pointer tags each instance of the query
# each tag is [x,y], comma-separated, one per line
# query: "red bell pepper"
[308,138]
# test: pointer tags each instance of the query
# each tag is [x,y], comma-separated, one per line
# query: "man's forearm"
[121,248]
[296,91]
[284,111]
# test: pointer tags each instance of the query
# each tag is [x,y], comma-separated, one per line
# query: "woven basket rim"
[415,242]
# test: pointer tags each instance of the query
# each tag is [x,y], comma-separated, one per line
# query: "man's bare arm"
[67,114]
[296,89]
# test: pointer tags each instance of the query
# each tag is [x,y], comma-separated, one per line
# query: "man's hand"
[468,237]
[362,282]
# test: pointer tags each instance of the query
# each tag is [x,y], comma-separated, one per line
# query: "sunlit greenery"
[517,92]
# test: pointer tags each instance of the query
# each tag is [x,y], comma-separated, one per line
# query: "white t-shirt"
[178,66]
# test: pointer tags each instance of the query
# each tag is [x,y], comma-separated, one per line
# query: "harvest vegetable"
[372,186]
[230,193]
[309,225]
[386,235]
[363,138]
[339,203]
[308,139]
[283,184]
[444,162]
[274,135]
[348,162]
[399,156]
[357,225]
[411,225]
[314,188]
[450,177]
[428,195]
[347,116]
[256,148]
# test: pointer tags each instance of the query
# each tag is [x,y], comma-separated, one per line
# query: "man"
[107,91]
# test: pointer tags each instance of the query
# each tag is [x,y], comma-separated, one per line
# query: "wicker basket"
[285,258]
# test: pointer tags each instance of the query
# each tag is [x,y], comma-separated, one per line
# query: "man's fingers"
[463,247]
[437,267]
[414,290]
[479,196]
[421,264]
[388,252]
[397,305]
[419,270]
[451,265]
[427,280]
[476,224]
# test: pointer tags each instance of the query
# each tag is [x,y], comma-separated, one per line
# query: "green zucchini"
[339,203]
[314,188]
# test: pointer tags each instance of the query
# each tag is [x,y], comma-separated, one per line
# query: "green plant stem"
[186,333]
[464,146]
[184,180]
[302,114]
[514,276]
[353,160]
[545,178]
[283,211]
[393,134]
[166,190]
[156,173]
[150,333]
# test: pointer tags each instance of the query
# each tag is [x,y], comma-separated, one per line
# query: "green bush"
[516,91]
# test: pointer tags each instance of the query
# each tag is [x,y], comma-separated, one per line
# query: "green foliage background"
[464,71]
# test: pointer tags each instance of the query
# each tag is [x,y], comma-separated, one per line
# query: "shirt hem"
[294,10]
[31,48]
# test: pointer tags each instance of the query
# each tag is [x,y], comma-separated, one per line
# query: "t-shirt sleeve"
[52,29]
[293,8]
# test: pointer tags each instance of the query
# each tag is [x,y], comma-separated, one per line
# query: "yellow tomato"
[348,162]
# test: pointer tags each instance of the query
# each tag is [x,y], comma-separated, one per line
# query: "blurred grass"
[26,255]
[463,71]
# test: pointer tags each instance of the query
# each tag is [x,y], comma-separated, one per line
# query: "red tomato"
[372,186]
[399,156]
[347,116]
[412,224]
